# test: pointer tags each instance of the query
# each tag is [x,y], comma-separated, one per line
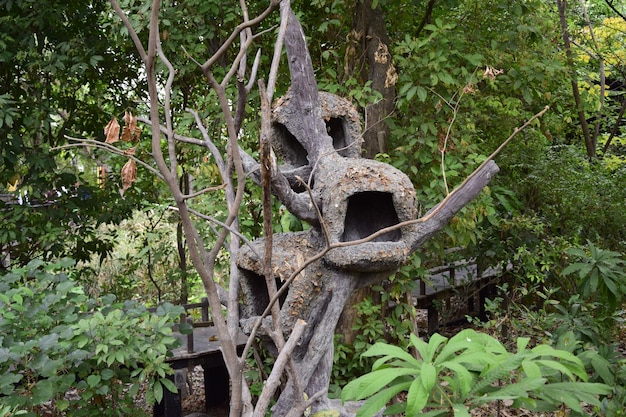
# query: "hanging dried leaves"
[136,134]
[131,132]
[129,175]
[112,131]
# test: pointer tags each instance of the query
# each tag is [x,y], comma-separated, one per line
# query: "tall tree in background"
[369,57]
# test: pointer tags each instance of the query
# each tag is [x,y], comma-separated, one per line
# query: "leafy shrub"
[78,355]
[601,274]
[468,370]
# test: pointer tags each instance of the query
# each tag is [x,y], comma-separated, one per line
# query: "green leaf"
[464,376]
[522,343]
[93,380]
[107,374]
[460,410]
[157,390]
[62,405]
[421,93]
[460,341]
[43,391]
[391,352]
[411,92]
[171,387]
[513,391]
[531,369]
[427,350]
[428,376]
[368,384]
[417,398]
[375,403]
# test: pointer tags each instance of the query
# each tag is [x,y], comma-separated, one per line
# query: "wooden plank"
[205,342]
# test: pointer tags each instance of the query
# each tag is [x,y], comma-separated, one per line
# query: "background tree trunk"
[374,65]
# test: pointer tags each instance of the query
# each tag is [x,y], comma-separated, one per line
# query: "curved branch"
[222,50]
[273,381]
[131,31]
[171,145]
[278,49]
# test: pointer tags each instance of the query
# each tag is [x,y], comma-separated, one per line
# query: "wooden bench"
[463,278]
[201,347]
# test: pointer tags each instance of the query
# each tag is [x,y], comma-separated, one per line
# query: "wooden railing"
[457,278]
[204,321]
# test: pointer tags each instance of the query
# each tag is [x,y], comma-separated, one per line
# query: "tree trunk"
[376,66]
[590,143]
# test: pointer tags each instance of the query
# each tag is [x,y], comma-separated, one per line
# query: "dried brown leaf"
[126,136]
[112,131]
[130,121]
[129,174]
[130,151]
[136,134]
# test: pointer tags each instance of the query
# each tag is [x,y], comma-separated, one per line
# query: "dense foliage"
[62,351]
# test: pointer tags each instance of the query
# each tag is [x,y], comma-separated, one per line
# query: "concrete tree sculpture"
[362,215]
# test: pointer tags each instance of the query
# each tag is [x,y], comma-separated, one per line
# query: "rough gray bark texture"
[317,138]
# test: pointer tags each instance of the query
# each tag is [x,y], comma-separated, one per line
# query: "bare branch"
[278,48]
[210,145]
[273,381]
[222,50]
[167,109]
[131,31]
[299,409]
[253,72]
[612,6]
[108,147]
[222,224]
[268,167]
[204,191]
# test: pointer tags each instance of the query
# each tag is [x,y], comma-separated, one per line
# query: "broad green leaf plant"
[452,376]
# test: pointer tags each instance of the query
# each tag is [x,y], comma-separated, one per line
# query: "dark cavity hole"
[336,129]
[294,152]
[369,212]
[259,296]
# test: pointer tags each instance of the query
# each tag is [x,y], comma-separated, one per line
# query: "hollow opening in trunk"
[336,129]
[257,288]
[369,212]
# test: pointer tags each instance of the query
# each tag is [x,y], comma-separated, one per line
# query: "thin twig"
[204,191]
[108,147]
[228,42]
[221,224]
